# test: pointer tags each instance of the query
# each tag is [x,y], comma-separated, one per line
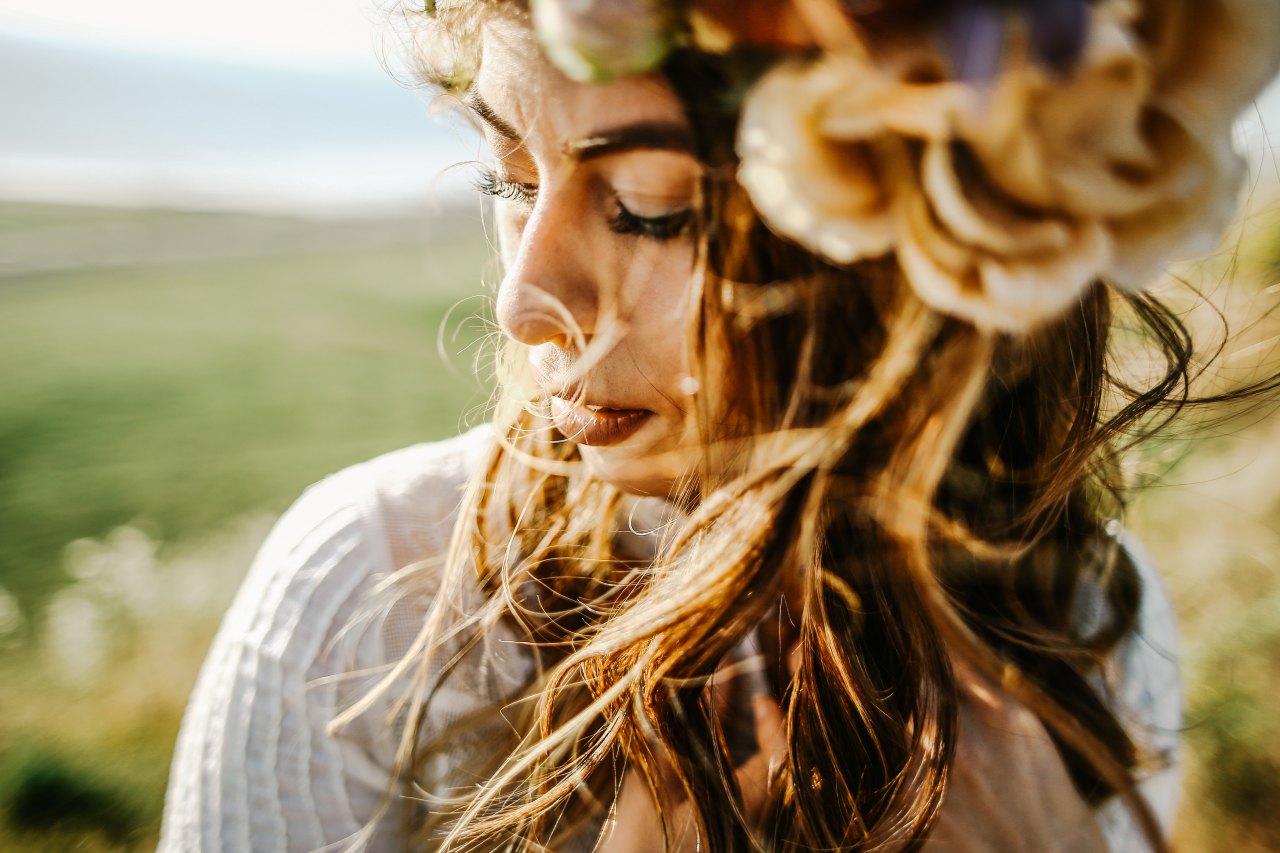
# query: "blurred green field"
[179,378]
[169,382]
[181,394]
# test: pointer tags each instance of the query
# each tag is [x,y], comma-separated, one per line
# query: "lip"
[596,427]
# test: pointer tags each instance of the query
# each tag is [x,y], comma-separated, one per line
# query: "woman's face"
[595,189]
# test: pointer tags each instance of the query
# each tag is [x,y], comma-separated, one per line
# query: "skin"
[1008,791]
[572,280]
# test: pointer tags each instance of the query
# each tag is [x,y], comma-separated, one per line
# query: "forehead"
[529,93]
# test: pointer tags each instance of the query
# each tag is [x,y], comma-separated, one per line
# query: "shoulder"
[1143,678]
[404,499]
[342,537]
[1146,665]
[254,767]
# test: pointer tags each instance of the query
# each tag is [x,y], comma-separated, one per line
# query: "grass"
[1235,733]
[178,396]
[45,792]
[84,767]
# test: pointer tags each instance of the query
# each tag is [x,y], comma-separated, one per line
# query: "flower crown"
[1010,152]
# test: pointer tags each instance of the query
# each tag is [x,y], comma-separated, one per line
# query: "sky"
[296,33]
[276,105]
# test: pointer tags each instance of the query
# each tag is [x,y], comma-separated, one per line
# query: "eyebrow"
[662,135]
[650,135]
[481,108]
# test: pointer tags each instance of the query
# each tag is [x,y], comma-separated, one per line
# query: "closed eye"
[666,227]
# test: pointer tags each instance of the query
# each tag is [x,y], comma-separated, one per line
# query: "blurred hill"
[92,123]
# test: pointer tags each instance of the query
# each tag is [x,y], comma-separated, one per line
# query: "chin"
[630,475]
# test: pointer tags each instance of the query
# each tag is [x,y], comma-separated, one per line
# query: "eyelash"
[667,227]
[623,221]
[488,183]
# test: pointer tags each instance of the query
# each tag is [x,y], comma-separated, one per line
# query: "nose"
[548,293]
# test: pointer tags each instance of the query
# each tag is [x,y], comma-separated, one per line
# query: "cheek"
[510,225]
[672,294]
[664,319]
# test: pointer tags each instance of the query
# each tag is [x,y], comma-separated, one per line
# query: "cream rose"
[1005,200]
[824,155]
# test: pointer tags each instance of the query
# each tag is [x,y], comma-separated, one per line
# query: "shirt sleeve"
[254,768]
[1144,679]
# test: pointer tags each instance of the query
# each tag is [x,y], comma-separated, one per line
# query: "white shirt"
[255,768]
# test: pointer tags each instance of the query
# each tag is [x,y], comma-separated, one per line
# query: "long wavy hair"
[887,488]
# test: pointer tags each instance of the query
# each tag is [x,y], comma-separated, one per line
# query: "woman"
[807,408]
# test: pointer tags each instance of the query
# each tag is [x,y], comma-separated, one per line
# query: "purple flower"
[974,34]
[1057,29]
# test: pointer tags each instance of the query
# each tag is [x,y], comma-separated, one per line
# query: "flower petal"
[975,215]
[833,196]
[1057,29]
[905,90]
[1080,144]
[1184,225]
[974,34]
[1211,57]
[994,291]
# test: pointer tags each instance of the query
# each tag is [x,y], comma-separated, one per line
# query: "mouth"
[596,426]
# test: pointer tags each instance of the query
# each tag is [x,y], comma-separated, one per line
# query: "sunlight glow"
[312,33]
